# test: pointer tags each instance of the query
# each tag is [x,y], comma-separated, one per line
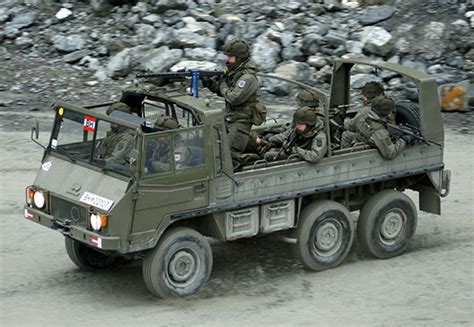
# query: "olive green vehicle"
[164,213]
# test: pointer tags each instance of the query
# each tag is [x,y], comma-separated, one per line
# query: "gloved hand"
[211,83]
[409,139]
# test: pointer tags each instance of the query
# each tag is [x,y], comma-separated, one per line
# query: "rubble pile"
[101,41]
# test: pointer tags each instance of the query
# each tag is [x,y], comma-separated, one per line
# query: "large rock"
[142,57]
[68,43]
[203,28]
[200,54]
[23,20]
[159,60]
[432,41]
[266,53]
[145,33]
[376,14]
[186,38]
[292,70]
[376,40]
[160,6]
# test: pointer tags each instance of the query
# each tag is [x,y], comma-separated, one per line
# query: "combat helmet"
[237,47]
[383,105]
[372,89]
[166,122]
[305,115]
[306,98]
[120,106]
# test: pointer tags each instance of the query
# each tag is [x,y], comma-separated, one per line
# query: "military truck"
[165,213]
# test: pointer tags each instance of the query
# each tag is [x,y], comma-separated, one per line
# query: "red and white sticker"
[89,123]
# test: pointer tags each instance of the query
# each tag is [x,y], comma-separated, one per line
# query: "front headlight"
[30,193]
[39,199]
[98,221]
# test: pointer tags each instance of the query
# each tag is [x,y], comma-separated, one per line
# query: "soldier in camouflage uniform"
[371,129]
[307,98]
[158,158]
[119,141]
[310,141]
[369,91]
[239,87]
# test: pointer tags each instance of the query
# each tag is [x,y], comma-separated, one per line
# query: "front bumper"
[80,234]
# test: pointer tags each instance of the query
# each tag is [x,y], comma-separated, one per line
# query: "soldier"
[239,87]
[119,141]
[369,92]
[307,98]
[307,138]
[158,157]
[371,129]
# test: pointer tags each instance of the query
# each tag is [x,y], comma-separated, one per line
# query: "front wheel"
[386,224]
[179,265]
[324,235]
[86,257]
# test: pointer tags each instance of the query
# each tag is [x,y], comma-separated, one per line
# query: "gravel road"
[254,282]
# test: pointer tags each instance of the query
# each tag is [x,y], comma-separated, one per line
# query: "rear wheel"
[86,257]
[179,265]
[324,235]
[386,224]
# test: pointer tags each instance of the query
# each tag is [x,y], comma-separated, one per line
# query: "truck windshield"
[89,139]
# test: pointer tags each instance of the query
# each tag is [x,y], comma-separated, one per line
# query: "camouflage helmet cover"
[166,122]
[305,115]
[307,98]
[372,89]
[120,106]
[237,47]
[383,105]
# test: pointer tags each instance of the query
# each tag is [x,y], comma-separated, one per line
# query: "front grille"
[68,211]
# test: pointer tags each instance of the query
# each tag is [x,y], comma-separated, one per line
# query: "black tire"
[324,235]
[386,224]
[86,257]
[407,113]
[179,265]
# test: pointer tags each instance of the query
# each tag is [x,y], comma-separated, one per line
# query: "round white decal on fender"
[46,166]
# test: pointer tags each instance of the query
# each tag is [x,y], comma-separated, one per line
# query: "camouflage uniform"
[310,146]
[239,89]
[158,157]
[371,129]
[370,90]
[119,141]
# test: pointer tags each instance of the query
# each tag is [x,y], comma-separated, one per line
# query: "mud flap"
[429,199]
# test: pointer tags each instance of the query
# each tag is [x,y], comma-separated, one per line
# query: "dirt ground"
[254,282]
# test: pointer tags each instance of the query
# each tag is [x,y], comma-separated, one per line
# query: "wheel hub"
[392,226]
[182,266]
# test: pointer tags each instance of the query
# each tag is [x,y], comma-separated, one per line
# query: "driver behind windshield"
[117,145]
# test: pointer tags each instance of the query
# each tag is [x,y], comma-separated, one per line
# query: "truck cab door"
[176,169]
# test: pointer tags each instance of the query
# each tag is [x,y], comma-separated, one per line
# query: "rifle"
[398,130]
[287,143]
[166,77]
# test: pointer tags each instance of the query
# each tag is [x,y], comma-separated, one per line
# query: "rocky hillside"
[74,49]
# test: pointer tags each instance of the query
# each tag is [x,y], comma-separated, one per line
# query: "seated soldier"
[307,139]
[371,129]
[119,141]
[158,158]
[307,98]
[369,91]
[254,150]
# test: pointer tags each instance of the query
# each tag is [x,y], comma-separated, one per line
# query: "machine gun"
[287,143]
[163,78]
[399,130]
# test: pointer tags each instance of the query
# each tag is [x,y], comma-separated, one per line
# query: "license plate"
[96,201]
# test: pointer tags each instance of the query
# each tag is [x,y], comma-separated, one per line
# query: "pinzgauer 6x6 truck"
[174,188]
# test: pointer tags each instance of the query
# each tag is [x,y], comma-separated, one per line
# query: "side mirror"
[35,130]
